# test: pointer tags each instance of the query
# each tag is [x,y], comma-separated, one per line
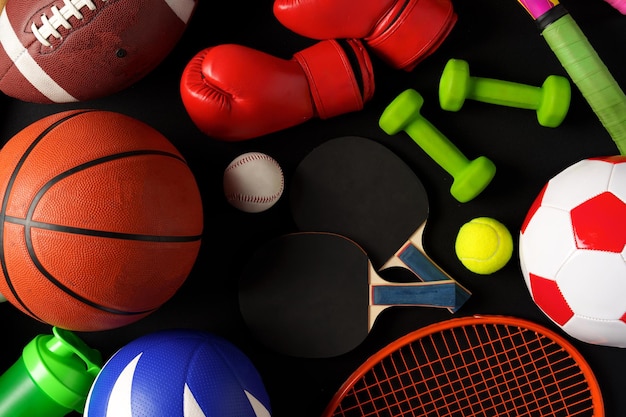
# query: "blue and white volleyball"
[178,373]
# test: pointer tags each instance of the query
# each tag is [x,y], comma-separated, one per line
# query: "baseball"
[253,182]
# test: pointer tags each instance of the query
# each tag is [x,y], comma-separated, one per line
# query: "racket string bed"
[485,370]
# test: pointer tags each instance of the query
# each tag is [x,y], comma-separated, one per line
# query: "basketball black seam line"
[3,263]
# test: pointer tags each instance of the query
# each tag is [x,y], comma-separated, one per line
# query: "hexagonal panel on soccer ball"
[617,185]
[578,183]
[546,243]
[604,333]
[594,284]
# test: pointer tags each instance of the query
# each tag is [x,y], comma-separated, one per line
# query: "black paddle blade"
[358,188]
[306,295]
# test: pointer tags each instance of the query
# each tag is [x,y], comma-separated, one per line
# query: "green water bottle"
[52,377]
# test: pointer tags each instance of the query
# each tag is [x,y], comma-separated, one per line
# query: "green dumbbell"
[551,101]
[470,177]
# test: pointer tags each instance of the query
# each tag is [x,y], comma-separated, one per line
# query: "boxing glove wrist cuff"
[412,30]
[340,76]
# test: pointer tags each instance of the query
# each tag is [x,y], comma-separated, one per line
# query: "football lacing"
[49,25]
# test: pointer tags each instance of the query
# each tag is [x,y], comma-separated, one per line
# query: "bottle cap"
[63,367]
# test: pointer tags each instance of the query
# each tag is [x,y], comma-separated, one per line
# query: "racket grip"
[591,76]
[620,5]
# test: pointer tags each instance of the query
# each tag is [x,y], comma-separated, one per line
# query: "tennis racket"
[584,66]
[473,366]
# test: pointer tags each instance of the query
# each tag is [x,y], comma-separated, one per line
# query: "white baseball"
[253,182]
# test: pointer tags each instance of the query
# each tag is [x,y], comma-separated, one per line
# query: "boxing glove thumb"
[401,32]
[232,92]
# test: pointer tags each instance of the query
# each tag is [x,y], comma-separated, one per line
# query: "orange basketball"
[101,220]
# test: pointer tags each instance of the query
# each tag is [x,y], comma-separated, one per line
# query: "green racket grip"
[591,76]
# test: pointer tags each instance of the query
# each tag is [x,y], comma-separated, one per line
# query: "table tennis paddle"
[316,295]
[360,189]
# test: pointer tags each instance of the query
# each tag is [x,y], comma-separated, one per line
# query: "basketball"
[100,223]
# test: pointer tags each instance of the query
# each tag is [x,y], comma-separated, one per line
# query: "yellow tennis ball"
[484,245]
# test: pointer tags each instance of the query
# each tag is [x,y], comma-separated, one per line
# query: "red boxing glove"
[233,92]
[400,32]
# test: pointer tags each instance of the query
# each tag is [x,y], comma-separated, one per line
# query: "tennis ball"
[484,245]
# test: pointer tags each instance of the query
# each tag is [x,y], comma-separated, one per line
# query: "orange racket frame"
[473,366]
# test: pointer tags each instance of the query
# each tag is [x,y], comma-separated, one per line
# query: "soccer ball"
[571,249]
[178,373]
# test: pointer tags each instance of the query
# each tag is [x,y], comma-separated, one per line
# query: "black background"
[499,40]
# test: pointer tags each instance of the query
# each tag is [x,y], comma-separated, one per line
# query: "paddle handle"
[415,259]
[416,294]
[426,294]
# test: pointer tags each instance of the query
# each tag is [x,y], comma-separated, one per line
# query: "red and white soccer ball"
[571,250]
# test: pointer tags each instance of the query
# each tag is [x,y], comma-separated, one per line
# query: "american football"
[61,51]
